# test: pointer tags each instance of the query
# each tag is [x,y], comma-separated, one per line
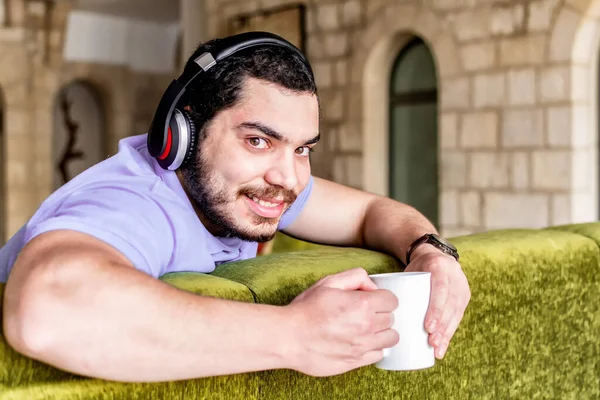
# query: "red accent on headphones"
[168,146]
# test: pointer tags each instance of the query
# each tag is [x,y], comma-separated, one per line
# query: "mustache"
[288,196]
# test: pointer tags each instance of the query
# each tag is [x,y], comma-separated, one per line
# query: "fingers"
[384,339]
[383,321]
[439,296]
[370,357]
[352,279]
[381,300]
[450,330]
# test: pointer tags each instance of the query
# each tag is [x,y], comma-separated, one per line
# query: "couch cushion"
[208,285]
[240,386]
[16,370]
[278,278]
[530,330]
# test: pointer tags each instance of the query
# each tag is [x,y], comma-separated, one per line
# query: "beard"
[217,204]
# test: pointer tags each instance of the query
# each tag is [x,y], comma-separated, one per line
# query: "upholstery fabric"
[530,331]
[208,285]
[278,278]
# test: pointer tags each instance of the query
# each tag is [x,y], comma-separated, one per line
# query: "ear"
[187,108]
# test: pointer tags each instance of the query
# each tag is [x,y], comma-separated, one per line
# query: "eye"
[304,151]
[258,142]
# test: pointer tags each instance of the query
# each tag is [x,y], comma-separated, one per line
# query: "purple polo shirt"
[131,203]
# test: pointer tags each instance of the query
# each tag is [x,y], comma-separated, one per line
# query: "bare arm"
[340,215]
[76,303]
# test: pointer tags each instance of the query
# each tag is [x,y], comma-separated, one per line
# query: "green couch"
[531,330]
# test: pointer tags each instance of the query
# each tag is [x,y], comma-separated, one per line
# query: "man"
[82,292]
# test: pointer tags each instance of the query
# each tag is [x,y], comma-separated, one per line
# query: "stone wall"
[517,100]
[32,73]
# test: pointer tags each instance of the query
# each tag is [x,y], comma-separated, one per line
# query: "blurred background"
[480,113]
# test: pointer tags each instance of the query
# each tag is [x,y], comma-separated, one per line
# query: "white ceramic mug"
[413,351]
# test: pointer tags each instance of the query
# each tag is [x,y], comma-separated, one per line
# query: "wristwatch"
[436,241]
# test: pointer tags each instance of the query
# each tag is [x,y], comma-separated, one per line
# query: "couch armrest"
[278,278]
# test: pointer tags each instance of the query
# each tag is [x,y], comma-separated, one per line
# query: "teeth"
[264,203]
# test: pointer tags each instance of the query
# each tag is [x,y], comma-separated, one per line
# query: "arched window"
[414,130]
[79,140]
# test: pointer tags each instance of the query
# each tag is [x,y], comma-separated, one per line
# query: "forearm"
[391,227]
[116,323]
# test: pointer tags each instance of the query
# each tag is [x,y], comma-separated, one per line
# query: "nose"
[283,172]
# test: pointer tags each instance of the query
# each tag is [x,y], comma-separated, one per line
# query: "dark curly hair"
[221,87]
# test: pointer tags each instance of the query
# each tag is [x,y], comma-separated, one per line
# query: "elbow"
[30,318]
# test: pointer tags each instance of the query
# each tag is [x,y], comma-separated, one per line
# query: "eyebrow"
[274,134]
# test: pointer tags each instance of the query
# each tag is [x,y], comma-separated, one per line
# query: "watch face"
[444,241]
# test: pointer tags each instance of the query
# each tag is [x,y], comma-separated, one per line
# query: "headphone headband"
[158,136]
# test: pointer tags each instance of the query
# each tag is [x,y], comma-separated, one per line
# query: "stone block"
[489,90]
[472,24]
[520,168]
[455,93]
[479,130]
[561,209]
[489,170]
[448,130]
[522,50]
[351,13]
[16,122]
[16,95]
[328,17]
[563,34]
[554,84]
[453,170]
[350,137]
[449,207]
[582,169]
[470,209]
[354,171]
[311,20]
[551,169]
[447,57]
[323,74]
[585,42]
[336,44]
[521,86]
[558,123]
[374,7]
[12,35]
[315,47]
[507,19]
[333,110]
[581,133]
[584,208]
[522,128]
[339,170]
[515,210]
[580,83]
[540,15]
[340,73]
[478,56]
[446,5]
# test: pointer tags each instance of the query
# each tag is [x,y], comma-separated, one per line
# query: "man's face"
[254,161]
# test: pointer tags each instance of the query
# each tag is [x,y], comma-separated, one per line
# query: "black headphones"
[172,134]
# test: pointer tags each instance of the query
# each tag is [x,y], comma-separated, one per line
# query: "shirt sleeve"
[130,221]
[290,215]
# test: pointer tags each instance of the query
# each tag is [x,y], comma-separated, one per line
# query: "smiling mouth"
[265,208]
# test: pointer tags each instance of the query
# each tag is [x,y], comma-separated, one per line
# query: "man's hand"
[343,322]
[450,294]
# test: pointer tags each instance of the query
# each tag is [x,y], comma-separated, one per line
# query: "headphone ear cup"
[193,139]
